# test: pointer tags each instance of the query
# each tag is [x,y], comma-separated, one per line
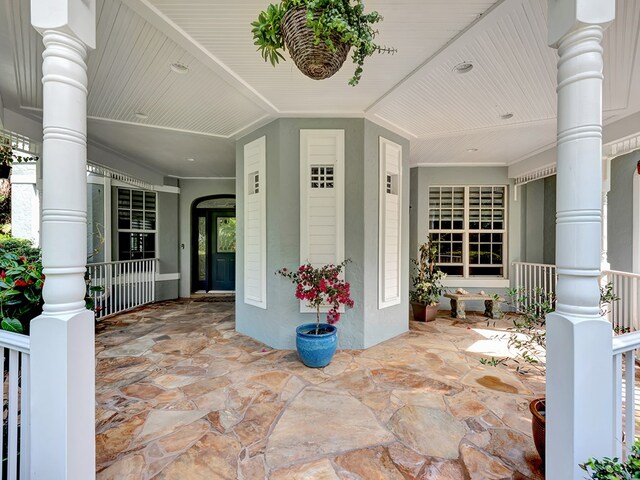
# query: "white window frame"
[135,230]
[386,151]
[476,280]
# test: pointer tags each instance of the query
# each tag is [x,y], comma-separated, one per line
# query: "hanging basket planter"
[318,34]
[316,61]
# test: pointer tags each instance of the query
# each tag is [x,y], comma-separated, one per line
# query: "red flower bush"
[321,286]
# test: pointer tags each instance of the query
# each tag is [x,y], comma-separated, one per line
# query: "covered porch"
[162,133]
[180,394]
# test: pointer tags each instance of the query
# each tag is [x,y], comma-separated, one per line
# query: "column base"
[63,396]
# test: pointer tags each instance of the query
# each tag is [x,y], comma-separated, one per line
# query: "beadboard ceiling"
[450,118]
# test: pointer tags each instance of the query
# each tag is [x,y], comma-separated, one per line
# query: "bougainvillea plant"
[320,286]
[21,282]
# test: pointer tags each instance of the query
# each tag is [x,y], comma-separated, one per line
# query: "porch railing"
[121,286]
[15,443]
[623,313]
[624,391]
[536,279]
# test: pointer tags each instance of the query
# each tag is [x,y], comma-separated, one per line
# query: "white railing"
[536,279]
[623,313]
[122,285]
[15,444]
[624,391]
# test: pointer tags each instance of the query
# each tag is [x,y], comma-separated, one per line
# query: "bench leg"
[457,309]
[492,309]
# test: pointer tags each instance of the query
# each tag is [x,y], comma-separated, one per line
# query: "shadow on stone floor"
[181,395]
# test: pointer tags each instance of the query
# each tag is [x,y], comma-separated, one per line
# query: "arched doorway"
[213,244]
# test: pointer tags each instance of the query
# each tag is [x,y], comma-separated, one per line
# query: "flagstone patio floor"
[181,395]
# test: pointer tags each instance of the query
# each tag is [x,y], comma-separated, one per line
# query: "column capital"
[565,16]
[76,18]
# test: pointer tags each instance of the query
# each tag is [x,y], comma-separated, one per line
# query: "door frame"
[194,234]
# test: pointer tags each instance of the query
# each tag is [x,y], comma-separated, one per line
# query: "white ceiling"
[229,89]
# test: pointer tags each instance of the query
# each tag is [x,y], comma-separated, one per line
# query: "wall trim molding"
[166,277]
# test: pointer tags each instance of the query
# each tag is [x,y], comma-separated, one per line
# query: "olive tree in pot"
[527,339]
[319,286]
[426,281]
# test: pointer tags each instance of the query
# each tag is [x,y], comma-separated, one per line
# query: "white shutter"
[255,224]
[390,208]
[321,197]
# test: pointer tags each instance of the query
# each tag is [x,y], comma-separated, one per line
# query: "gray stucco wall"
[276,325]
[534,224]
[191,190]
[620,230]
[423,177]
[382,324]
[168,245]
[550,220]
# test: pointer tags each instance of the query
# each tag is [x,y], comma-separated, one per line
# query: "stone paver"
[181,395]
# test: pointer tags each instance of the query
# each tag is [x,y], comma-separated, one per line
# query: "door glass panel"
[226,238]
[202,249]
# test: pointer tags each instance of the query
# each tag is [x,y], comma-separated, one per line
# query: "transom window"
[136,224]
[469,225]
[321,176]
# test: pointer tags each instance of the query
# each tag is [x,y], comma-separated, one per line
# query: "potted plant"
[426,283]
[319,286]
[318,35]
[7,157]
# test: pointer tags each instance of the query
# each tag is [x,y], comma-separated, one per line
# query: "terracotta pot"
[424,313]
[538,410]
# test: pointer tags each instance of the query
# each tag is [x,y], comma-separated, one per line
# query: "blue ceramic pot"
[316,351]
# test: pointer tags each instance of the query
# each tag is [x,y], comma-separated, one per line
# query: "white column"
[579,363]
[62,338]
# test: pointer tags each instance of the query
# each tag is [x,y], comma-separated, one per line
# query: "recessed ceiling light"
[179,68]
[472,150]
[506,116]
[464,67]
[191,159]
[141,115]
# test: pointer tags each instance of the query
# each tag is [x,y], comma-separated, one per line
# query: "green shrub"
[19,246]
[613,468]
[21,282]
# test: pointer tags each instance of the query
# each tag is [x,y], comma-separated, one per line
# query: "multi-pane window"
[469,225]
[321,176]
[136,224]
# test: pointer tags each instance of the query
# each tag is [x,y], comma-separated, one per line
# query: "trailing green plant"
[328,19]
[426,278]
[7,155]
[613,468]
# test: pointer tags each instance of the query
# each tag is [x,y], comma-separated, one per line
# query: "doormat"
[215,298]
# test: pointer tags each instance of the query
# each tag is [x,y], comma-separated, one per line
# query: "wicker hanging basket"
[315,61]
